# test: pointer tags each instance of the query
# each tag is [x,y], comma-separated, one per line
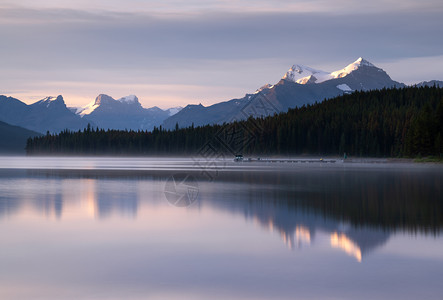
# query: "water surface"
[103,228]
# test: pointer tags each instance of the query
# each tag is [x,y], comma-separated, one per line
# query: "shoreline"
[247,159]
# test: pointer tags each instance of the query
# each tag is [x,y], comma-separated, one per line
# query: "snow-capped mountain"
[124,113]
[300,85]
[51,102]
[49,114]
[106,100]
[304,75]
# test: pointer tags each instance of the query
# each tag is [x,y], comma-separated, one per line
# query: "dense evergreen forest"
[405,122]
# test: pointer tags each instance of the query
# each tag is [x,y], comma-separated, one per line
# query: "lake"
[173,228]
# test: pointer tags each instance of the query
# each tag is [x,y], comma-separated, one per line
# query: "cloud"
[122,40]
[226,53]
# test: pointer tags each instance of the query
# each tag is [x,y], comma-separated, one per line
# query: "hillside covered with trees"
[406,122]
[13,138]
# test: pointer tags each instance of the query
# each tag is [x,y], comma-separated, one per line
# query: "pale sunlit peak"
[301,74]
[351,67]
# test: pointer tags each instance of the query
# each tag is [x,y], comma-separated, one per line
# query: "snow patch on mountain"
[49,100]
[129,99]
[174,110]
[88,109]
[344,87]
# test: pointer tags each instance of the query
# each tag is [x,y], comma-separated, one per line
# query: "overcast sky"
[172,52]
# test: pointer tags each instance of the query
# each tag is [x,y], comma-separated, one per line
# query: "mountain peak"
[299,68]
[102,98]
[107,102]
[129,99]
[51,101]
[352,67]
[299,73]
[363,62]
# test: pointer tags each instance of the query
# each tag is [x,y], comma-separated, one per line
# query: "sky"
[172,53]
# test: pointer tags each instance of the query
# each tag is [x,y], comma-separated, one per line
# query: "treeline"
[405,122]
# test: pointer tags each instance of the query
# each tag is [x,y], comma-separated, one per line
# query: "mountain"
[13,138]
[430,83]
[299,86]
[53,114]
[124,113]
[48,114]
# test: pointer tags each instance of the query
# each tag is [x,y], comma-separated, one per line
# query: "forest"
[405,122]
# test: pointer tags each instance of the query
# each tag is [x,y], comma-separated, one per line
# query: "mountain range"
[51,114]
[300,85]
[48,114]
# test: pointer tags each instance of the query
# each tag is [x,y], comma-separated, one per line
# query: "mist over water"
[105,228]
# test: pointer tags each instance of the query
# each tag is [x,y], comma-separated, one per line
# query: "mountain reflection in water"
[357,208]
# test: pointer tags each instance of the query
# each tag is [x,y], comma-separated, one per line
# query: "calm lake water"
[115,228]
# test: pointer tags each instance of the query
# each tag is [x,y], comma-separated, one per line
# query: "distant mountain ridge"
[49,114]
[430,83]
[123,113]
[299,86]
